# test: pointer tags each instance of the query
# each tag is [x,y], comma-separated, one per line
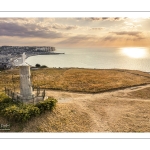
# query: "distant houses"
[4,66]
[9,55]
[16,50]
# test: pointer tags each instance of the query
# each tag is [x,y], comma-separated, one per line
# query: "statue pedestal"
[25,83]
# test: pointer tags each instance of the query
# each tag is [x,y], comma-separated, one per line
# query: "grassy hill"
[77,80]
[80,117]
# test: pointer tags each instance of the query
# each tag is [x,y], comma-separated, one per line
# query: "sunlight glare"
[134,52]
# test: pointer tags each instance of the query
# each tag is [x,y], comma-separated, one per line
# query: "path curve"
[100,122]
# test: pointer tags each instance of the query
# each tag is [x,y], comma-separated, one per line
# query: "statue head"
[23,59]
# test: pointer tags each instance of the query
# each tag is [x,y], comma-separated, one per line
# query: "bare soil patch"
[111,111]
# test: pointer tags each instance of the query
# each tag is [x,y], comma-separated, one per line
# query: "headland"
[10,56]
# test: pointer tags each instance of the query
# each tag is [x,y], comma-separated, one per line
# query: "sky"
[76,32]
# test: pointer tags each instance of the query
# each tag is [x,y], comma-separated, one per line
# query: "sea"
[133,58]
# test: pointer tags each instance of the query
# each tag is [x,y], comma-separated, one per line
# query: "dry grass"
[78,80]
[122,115]
[136,72]
[6,79]
[95,81]
[143,94]
[65,118]
[111,114]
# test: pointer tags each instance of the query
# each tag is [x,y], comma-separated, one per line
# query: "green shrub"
[12,113]
[5,101]
[37,65]
[48,104]
[31,109]
[4,98]
[20,114]
[43,66]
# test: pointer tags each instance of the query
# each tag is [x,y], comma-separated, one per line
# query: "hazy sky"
[75,32]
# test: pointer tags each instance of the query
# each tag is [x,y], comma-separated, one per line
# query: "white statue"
[23,58]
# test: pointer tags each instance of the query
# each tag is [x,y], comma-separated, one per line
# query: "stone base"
[32,100]
[29,99]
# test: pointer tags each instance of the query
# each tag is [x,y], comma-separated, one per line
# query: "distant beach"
[18,61]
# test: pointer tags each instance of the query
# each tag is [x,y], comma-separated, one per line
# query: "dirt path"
[105,109]
[68,97]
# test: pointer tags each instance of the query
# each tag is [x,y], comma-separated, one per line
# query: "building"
[5,65]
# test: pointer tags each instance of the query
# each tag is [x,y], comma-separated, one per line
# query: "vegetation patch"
[48,104]
[65,118]
[77,80]
[39,66]
[18,112]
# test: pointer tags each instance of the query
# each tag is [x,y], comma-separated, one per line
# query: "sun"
[134,52]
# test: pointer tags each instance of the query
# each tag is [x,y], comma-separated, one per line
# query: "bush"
[16,111]
[5,101]
[37,65]
[43,66]
[4,98]
[48,104]
[19,112]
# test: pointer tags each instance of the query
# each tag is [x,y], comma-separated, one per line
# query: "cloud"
[29,30]
[27,20]
[132,25]
[107,18]
[109,38]
[98,19]
[79,39]
[131,33]
[127,36]
[97,28]
[64,27]
[124,35]
[72,31]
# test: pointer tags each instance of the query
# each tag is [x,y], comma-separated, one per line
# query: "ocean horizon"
[132,58]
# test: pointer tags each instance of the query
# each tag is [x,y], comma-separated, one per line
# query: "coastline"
[18,60]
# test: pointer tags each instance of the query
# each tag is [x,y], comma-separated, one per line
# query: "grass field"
[143,94]
[65,118]
[106,114]
[77,80]
[87,112]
